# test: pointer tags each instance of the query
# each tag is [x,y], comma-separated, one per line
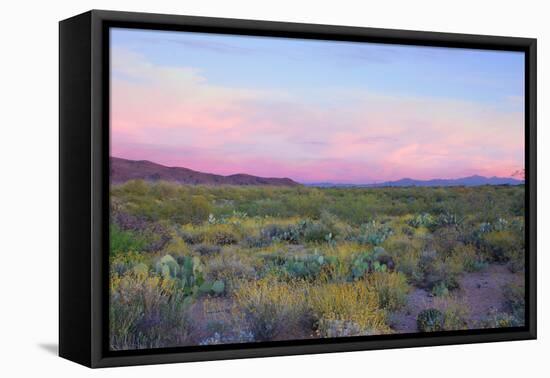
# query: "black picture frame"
[84,186]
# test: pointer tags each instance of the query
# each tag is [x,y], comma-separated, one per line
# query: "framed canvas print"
[234,188]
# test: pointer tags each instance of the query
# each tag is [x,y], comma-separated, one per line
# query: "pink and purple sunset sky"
[315,111]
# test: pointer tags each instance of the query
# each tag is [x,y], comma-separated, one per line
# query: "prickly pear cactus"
[205,288]
[167,267]
[218,287]
[141,270]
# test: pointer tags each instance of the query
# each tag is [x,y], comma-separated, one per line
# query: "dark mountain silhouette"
[464,181]
[123,170]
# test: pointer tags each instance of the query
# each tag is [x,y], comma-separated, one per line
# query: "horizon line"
[329,182]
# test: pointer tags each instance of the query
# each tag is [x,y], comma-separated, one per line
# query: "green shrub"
[455,312]
[447,219]
[391,288]
[440,290]
[278,233]
[430,320]
[351,308]
[229,268]
[514,301]
[422,220]
[500,320]
[221,234]
[207,249]
[469,258]
[331,328]
[256,242]
[445,240]
[433,271]
[123,262]
[502,246]
[145,312]
[316,232]
[195,211]
[271,307]
[302,262]
[125,241]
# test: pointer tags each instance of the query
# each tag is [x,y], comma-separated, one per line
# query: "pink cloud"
[174,116]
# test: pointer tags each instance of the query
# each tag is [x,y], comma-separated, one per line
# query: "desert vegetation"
[200,265]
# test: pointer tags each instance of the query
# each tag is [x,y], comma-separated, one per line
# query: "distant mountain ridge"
[123,170]
[474,180]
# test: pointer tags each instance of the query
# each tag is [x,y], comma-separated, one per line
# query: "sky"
[315,111]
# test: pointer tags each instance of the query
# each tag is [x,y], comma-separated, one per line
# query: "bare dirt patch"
[481,292]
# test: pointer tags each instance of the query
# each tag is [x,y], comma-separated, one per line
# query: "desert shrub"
[196,210]
[455,312]
[229,268]
[305,230]
[127,221]
[315,232]
[125,241]
[348,303]
[426,265]
[405,254]
[207,249]
[391,288]
[375,260]
[447,219]
[383,258]
[146,312]
[339,328]
[422,220]
[270,306]
[497,319]
[373,233]
[293,261]
[408,265]
[256,242]
[191,237]
[445,240]
[440,290]
[433,271]
[336,227]
[123,262]
[514,301]
[517,262]
[277,233]
[136,187]
[467,257]
[308,204]
[222,234]
[176,246]
[430,320]
[265,207]
[502,246]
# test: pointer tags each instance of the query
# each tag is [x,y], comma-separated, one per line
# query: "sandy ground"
[481,292]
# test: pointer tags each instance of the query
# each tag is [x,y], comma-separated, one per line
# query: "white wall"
[28,211]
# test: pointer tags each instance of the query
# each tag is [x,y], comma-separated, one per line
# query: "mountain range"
[475,180]
[123,170]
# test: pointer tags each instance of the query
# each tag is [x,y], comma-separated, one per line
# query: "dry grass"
[352,303]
